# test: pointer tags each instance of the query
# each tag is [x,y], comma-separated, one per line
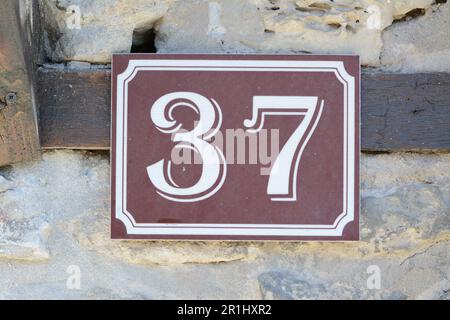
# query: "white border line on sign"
[335,229]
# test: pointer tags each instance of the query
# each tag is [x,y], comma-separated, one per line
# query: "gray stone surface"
[386,34]
[287,286]
[55,214]
[23,234]
[422,44]
[105,27]
[351,27]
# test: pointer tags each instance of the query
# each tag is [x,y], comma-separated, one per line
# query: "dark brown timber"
[405,111]
[399,111]
[19,140]
[75,109]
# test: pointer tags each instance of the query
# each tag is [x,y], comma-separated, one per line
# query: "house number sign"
[258,147]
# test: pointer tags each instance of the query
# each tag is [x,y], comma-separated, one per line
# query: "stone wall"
[54,214]
[400,35]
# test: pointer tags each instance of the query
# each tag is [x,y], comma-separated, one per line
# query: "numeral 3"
[213,161]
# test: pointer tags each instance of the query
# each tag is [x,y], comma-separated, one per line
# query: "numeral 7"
[282,185]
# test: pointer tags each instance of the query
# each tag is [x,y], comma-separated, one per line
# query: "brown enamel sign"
[259,147]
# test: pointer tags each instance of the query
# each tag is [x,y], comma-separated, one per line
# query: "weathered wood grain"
[405,111]
[75,108]
[19,140]
[399,111]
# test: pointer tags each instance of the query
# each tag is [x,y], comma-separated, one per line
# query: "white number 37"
[282,184]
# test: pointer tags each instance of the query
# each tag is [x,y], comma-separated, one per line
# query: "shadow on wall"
[143,41]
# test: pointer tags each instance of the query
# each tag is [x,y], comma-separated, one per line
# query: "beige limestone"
[59,210]
[386,34]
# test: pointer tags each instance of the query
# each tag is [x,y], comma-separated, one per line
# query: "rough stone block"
[389,34]
[419,45]
[103,27]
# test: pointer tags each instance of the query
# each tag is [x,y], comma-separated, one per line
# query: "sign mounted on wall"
[259,147]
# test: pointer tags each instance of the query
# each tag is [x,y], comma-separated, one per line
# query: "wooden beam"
[19,140]
[399,111]
[75,108]
[405,111]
